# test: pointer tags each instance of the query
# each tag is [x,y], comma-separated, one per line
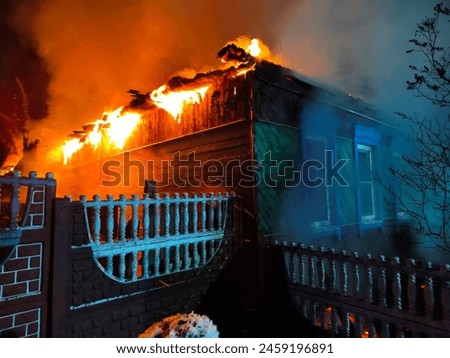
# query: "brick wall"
[131,315]
[88,303]
[21,274]
[24,271]
[21,324]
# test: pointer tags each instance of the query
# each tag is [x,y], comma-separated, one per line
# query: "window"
[365,182]
[318,197]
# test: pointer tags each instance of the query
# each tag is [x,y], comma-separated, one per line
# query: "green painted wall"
[282,144]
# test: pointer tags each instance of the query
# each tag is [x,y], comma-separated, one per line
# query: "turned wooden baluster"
[445,295]
[146,218]
[369,278]
[97,223]
[301,264]
[344,274]
[145,264]
[167,263]
[291,253]
[177,258]
[177,214]
[203,252]
[110,219]
[134,216]
[219,211]
[382,282]
[195,214]
[334,321]
[396,284]
[196,255]
[167,215]
[358,326]
[203,212]
[356,278]
[321,268]
[332,271]
[429,293]
[211,211]
[186,214]
[156,262]
[187,259]
[311,268]
[372,330]
[134,265]
[346,324]
[110,232]
[122,266]
[157,215]
[385,330]
[123,217]
[412,286]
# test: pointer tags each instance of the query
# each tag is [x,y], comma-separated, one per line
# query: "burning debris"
[115,127]
[139,98]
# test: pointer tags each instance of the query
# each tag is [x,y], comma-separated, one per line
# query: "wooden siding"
[224,144]
[227,100]
[283,144]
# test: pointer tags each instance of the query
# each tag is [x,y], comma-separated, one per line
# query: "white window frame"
[369,150]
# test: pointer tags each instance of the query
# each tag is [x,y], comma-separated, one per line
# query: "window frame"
[321,225]
[369,150]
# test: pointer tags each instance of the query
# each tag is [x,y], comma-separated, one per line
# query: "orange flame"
[115,125]
[175,101]
[70,147]
[254,49]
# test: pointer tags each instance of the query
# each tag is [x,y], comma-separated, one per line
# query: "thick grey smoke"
[96,50]
[358,45]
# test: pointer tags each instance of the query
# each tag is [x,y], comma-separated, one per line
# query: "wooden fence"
[355,296]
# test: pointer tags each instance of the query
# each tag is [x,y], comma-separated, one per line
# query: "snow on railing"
[17,214]
[366,296]
[134,239]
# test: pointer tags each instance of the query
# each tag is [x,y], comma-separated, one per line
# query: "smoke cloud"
[357,45]
[96,50]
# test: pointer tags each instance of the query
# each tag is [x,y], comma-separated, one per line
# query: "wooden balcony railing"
[364,296]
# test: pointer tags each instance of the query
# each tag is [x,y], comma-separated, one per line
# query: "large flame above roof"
[114,128]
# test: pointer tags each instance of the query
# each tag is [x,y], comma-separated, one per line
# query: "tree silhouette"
[423,177]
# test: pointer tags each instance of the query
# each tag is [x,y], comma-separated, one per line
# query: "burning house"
[304,159]
[284,161]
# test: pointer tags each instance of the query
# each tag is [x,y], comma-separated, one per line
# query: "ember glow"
[175,101]
[115,126]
